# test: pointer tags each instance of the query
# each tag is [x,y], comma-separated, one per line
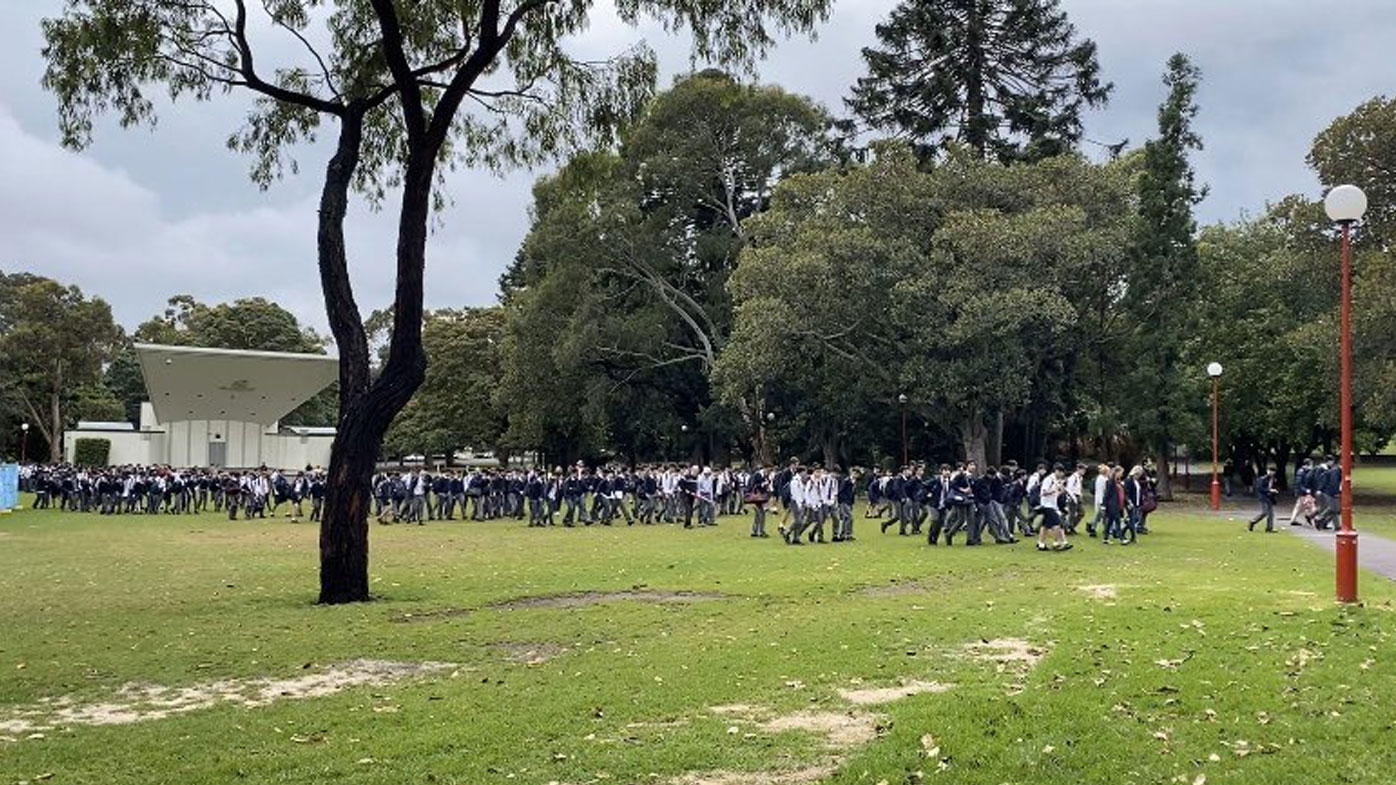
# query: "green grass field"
[1202,655]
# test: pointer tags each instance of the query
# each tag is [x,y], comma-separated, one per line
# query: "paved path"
[1374,553]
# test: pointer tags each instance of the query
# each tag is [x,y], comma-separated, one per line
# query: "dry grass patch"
[530,653]
[1007,653]
[840,729]
[146,702]
[872,696]
[1100,591]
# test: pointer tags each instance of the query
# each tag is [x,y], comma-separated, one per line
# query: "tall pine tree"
[1009,78]
[1163,274]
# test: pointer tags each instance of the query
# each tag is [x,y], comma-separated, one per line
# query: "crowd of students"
[1048,503]
[152,490]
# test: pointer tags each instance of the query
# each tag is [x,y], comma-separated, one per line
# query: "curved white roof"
[190,383]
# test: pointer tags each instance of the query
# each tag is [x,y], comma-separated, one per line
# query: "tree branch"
[324,69]
[255,82]
[391,28]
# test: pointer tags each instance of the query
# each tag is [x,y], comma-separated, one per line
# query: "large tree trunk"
[973,436]
[1165,480]
[344,526]
[994,448]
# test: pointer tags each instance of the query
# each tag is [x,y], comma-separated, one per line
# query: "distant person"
[1266,488]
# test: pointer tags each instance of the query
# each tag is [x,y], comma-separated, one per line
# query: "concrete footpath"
[1374,553]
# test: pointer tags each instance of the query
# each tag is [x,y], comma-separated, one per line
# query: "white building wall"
[185,444]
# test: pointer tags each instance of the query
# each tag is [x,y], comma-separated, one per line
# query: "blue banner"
[9,486]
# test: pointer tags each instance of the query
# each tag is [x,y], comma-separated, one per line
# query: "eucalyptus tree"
[407,90]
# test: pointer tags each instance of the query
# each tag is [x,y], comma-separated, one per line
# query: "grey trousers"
[843,523]
[1267,513]
[758,520]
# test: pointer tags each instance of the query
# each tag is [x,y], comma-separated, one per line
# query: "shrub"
[91,452]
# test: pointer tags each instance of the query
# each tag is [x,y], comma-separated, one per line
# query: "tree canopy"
[1008,78]
[54,341]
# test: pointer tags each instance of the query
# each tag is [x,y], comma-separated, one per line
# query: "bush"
[91,452]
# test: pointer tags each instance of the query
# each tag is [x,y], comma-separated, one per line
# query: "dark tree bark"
[344,526]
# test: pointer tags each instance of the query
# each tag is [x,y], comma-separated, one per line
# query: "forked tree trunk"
[344,525]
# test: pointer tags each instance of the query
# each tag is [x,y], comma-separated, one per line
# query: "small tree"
[413,89]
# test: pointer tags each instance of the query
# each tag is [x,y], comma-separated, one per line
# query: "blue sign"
[9,486]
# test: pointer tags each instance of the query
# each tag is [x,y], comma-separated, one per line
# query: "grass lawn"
[1202,655]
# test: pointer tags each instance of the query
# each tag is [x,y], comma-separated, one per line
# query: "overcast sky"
[141,216]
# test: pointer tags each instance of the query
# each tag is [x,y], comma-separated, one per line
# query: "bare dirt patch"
[584,598]
[1007,653]
[840,729]
[144,702]
[531,653]
[873,696]
[805,776]
[1103,591]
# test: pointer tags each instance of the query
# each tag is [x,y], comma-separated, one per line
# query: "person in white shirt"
[1102,478]
[799,506]
[1053,487]
[707,497]
[1075,507]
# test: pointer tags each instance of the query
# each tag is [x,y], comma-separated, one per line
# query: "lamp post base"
[1347,566]
[1216,494]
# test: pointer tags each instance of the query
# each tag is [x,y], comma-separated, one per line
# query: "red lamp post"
[1345,205]
[1214,370]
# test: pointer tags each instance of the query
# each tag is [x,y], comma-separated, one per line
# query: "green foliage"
[620,285]
[91,452]
[253,323]
[1008,78]
[1272,332]
[53,343]
[954,286]
[455,406]
[1360,149]
[1162,280]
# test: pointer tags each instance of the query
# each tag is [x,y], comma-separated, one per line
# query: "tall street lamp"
[1345,206]
[1214,370]
[901,399]
[24,443]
